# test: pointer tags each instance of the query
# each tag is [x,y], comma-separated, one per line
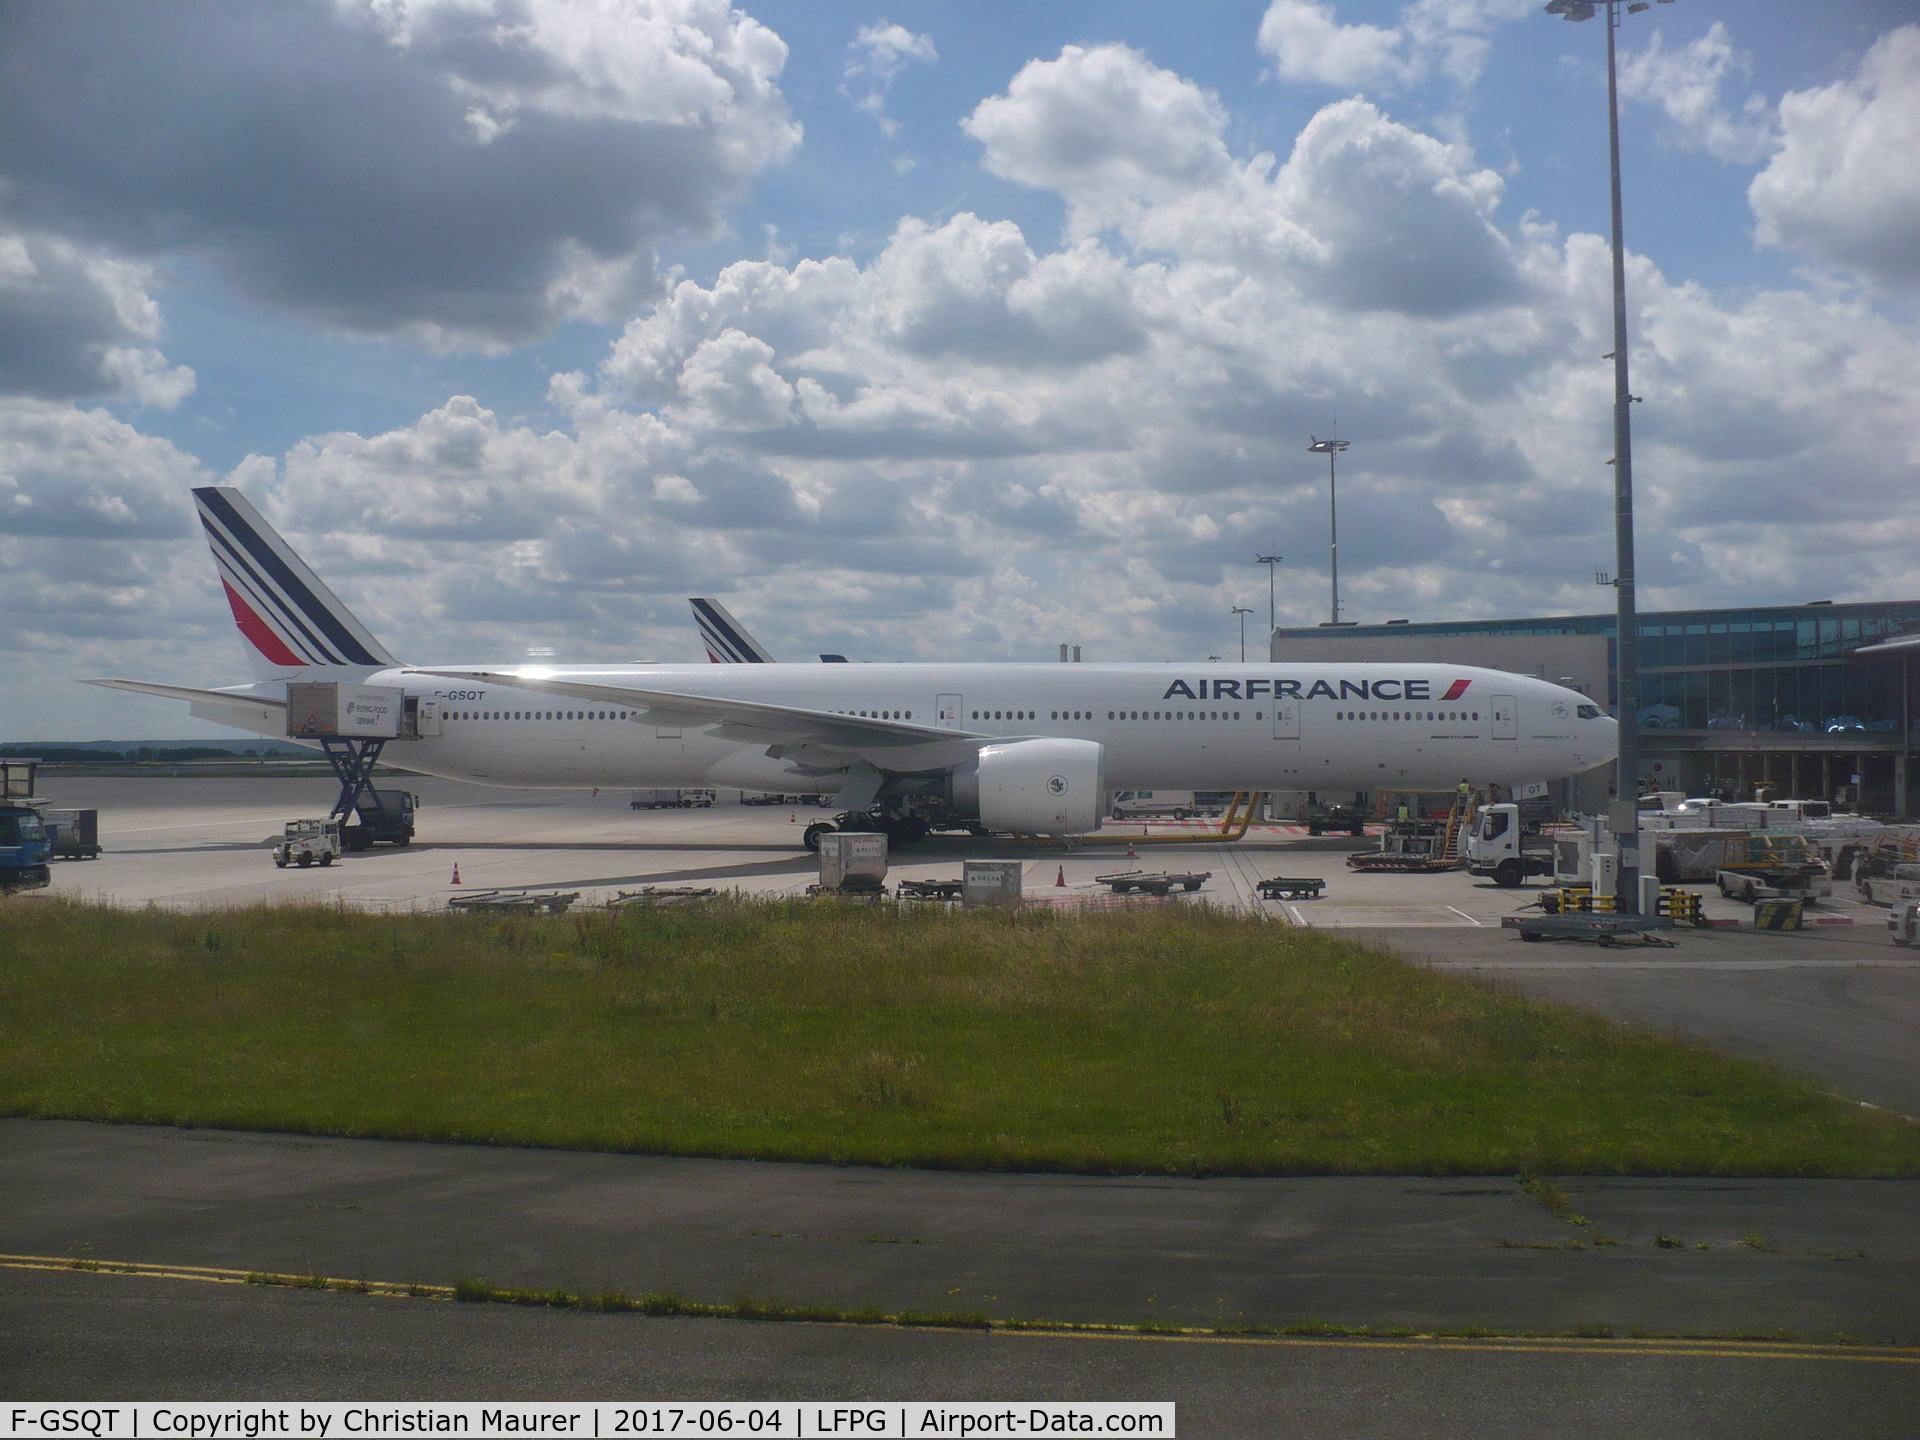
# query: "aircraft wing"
[747,720]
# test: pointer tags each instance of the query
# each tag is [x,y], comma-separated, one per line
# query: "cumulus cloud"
[461,173]
[1687,84]
[1844,187]
[1366,212]
[877,54]
[81,474]
[1309,44]
[78,323]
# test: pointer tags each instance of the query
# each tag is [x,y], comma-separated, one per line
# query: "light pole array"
[1331,449]
[1273,617]
[1242,612]
[1626,644]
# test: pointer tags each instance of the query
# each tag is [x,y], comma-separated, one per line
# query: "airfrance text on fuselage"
[1290,690]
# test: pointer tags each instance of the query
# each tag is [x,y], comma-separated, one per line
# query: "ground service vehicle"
[308,842]
[1771,867]
[24,849]
[1007,747]
[672,800]
[1497,847]
[1322,816]
[1146,804]
[1903,921]
[386,818]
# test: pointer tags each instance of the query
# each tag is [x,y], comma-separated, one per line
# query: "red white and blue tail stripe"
[726,639]
[287,615]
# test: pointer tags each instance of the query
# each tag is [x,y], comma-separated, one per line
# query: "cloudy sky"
[932,331]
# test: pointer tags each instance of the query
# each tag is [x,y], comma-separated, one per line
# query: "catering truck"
[25,849]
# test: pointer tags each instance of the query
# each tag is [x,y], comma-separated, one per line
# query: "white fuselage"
[1209,726]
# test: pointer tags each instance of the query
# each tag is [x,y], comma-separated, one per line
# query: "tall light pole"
[1242,612]
[1270,561]
[1331,449]
[1626,644]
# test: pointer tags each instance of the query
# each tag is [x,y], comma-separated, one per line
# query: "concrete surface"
[71,1336]
[1839,1256]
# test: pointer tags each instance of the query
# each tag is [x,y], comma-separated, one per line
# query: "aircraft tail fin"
[726,639]
[289,618]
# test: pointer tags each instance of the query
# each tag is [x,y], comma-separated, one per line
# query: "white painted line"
[1464,916]
[1298,918]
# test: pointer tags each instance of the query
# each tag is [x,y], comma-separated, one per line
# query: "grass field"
[1171,1040]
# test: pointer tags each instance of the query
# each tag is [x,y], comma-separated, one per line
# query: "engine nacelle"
[1034,787]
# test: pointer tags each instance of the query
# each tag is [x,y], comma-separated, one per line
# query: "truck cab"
[1497,848]
[386,817]
[25,850]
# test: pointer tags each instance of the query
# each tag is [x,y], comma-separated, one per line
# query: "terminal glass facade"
[1782,670]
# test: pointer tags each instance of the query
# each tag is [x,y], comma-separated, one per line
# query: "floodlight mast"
[1242,612]
[1273,619]
[1331,449]
[1626,644]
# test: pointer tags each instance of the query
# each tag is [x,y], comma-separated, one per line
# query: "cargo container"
[853,861]
[330,709]
[75,833]
[990,883]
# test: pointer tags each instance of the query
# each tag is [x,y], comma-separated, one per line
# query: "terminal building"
[1811,701]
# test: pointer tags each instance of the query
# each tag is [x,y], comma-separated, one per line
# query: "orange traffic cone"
[1061,879]
[1130,854]
[456,872]
[793,817]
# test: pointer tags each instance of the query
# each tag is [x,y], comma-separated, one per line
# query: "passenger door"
[1506,717]
[1286,718]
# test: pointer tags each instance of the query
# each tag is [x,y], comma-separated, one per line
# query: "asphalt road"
[1837,1255]
[81,1336]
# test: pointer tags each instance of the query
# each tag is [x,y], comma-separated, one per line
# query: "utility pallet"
[1602,929]
[1282,887]
[654,897]
[1146,884]
[1374,860]
[514,902]
[931,889]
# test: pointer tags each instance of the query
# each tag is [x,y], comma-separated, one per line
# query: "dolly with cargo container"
[75,834]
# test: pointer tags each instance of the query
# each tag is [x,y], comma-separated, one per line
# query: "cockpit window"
[1588,712]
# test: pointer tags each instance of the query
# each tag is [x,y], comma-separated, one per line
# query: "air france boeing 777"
[1025,748]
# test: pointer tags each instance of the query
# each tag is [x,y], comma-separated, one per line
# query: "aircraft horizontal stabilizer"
[187,692]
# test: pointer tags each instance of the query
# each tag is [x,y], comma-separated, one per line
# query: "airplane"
[903,748]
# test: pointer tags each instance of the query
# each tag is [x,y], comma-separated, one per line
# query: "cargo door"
[946,712]
[1506,717]
[1286,718]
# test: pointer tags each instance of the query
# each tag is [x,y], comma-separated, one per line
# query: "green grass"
[1172,1040]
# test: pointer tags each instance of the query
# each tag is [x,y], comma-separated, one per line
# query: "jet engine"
[1034,787]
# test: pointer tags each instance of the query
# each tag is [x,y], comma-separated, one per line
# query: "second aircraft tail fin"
[726,639]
